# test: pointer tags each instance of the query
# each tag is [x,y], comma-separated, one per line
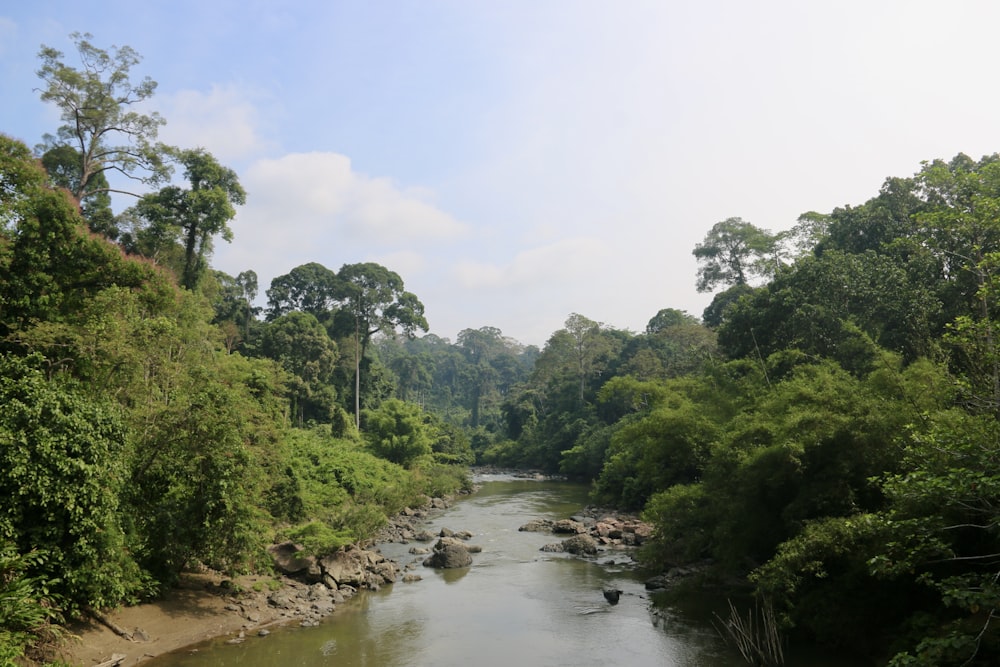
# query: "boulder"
[568,526]
[288,558]
[580,545]
[449,553]
[284,599]
[346,567]
[387,570]
[537,526]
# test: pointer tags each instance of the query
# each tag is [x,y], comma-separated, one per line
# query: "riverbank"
[208,605]
[204,606]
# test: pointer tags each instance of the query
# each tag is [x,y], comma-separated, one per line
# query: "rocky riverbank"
[307,589]
[207,605]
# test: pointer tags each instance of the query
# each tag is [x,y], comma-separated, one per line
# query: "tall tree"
[374,298]
[310,288]
[481,346]
[669,317]
[302,346]
[196,214]
[233,300]
[98,104]
[246,281]
[733,252]
[809,230]
[589,346]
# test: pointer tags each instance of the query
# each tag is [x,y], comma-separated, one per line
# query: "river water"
[515,606]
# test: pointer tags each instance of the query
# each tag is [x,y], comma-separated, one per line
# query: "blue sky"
[517,161]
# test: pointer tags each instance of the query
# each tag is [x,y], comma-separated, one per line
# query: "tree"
[826,305]
[589,346]
[960,228]
[311,288]
[233,300]
[481,346]
[63,164]
[374,299]
[193,216]
[669,317]
[732,253]
[246,281]
[302,346]
[98,105]
[49,262]
[396,431]
[674,344]
[810,229]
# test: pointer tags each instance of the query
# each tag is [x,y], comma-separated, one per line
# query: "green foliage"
[61,470]
[318,538]
[98,105]
[303,348]
[942,522]
[833,306]
[683,516]
[438,480]
[191,217]
[27,610]
[451,445]
[822,581]
[733,252]
[345,487]
[585,459]
[192,482]
[64,166]
[666,446]
[310,288]
[396,431]
[51,264]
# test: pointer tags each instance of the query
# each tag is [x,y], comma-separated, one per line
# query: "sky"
[518,161]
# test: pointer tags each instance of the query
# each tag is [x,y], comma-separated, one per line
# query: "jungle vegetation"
[825,435]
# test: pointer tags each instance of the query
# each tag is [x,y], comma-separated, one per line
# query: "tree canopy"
[99,105]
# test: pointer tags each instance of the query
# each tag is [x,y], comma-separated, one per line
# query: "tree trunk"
[357,374]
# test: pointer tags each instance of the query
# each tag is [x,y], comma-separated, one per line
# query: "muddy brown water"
[516,606]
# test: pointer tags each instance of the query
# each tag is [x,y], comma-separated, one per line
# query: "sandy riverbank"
[198,610]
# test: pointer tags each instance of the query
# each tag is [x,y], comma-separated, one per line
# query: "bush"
[60,475]
[319,539]
[26,611]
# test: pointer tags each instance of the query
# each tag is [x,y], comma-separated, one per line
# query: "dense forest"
[825,437]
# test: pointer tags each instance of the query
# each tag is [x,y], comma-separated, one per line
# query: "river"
[515,606]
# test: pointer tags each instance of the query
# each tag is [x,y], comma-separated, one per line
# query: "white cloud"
[224,120]
[319,193]
[562,262]
[404,262]
[313,207]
